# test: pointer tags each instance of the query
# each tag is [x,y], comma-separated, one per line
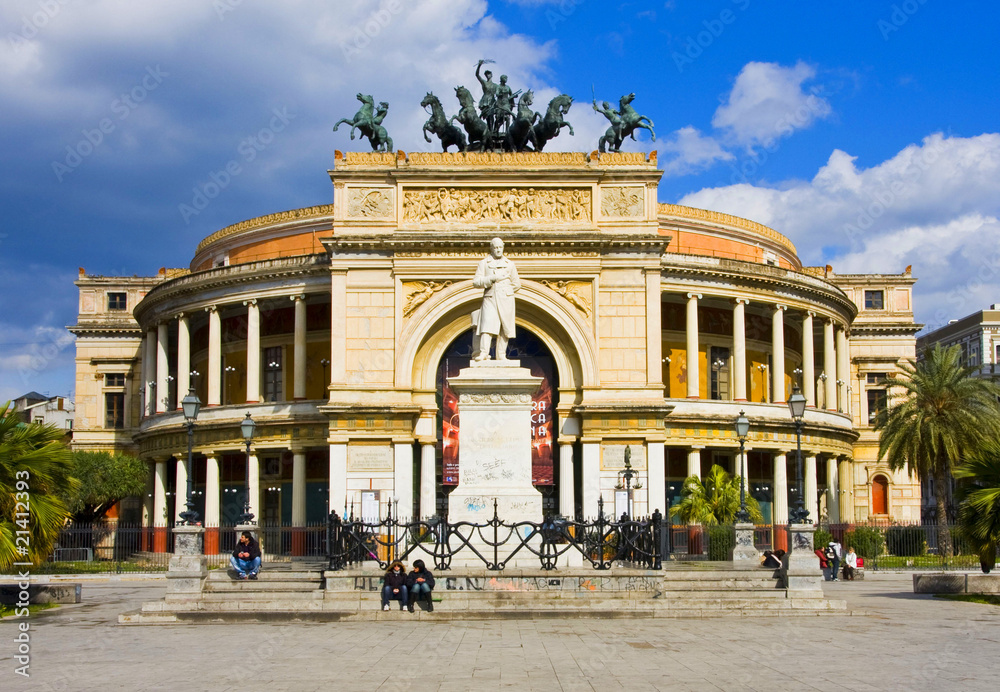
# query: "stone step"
[262,596]
[250,586]
[266,575]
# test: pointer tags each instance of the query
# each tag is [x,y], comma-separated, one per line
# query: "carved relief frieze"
[495,398]
[369,203]
[576,292]
[496,205]
[622,201]
[416,293]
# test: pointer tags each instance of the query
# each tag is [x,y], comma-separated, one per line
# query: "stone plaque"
[613,456]
[361,457]
[625,201]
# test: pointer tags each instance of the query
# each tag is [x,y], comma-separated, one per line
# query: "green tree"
[35,476]
[713,500]
[979,512]
[937,410]
[105,478]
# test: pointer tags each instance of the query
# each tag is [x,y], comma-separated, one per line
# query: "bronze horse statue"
[553,122]
[439,125]
[468,115]
[624,122]
[521,129]
[369,123]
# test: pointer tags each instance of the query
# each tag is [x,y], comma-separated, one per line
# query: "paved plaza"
[901,642]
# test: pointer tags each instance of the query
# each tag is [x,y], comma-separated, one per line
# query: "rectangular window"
[114,379]
[114,407]
[874,300]
[117,301]
[272,374]
[876,403]
[720,372]
[39,420]
[875,377]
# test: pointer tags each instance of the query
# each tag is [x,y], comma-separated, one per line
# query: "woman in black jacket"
[421,583]
[394,586]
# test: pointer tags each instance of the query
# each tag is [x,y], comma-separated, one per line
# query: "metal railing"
[495,543]
[885,545]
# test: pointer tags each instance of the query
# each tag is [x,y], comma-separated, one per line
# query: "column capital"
[297,449]
[180,315]
[696,448]
[694,295]
[780,306]
[297,297]
[745,301]
[251,301]
[810,313]
[211,308]
[210,454]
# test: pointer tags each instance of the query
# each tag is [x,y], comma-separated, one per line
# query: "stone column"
[740,350]
[591,474]
[693,377]
[808,360]
[694,461]
[654,330]
[183,357]
[809,488]
[253,478]
[253,351]
[779,509]
[159,518]
[832,491]
[149,373]
[299,349]
[180,486]
[428,477]
[338,328]
[567,500]
[846,487]
[656,473]
[212,503]
[778,395]
[843,369]
[829,366]
[338,478]
[298,501]
[403,478]
[162,366]
[214,373]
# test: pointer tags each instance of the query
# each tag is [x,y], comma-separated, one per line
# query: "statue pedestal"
[188,568]
[494,453]
[802,566]
[744,553]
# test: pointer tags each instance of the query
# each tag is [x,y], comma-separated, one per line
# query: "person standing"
[498,276]
[420,583]
[824,564]
[394,586]
[245,560]
[837,553]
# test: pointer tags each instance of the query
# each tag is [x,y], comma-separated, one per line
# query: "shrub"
[905,541]
[821,538]
[867,541]
[721,541]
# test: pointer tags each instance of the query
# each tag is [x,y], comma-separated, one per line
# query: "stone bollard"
[744,554]
[188,567]
[801,568]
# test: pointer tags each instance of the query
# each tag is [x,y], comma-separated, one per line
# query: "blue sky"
[866,132]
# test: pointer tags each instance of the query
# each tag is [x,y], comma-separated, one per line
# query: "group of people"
[830,558]
[397,585]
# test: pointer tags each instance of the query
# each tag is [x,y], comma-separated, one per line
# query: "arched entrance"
[880,495]
[533,354]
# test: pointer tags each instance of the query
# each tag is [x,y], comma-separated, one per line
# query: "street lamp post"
[191,405]
[797,407]
[742,429]
[247,427]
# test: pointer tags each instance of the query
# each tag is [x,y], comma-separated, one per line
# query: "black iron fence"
[496,544]
[891,546]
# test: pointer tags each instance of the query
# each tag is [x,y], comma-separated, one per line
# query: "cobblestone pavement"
[903,642]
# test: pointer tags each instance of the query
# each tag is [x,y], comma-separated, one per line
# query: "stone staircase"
[680,590]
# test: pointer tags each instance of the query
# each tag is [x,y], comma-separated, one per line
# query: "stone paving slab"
[907,642]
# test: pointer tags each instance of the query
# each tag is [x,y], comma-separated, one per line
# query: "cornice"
[317,213]
[682,212]
[515,241]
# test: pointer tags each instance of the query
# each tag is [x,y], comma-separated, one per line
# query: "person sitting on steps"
[420,582]
[394,586]
[246,558]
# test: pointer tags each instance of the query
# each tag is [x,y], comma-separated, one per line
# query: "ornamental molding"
[494,398]
[416,293]
[496,205]
[474,159]
[317,213]
[679,211]
[578,293]
[370,202]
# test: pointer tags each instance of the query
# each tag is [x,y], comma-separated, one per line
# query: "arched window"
[880,495]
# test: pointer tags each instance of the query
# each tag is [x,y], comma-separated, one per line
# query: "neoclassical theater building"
[337,326]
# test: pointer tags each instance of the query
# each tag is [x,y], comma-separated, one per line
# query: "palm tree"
[979,513]
[34,477]
[713,500]
[937,411]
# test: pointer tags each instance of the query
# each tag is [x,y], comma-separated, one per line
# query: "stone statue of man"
[498,276]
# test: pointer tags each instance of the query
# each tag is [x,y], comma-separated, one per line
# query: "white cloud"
[768,102]
[934,205]
[689,151]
